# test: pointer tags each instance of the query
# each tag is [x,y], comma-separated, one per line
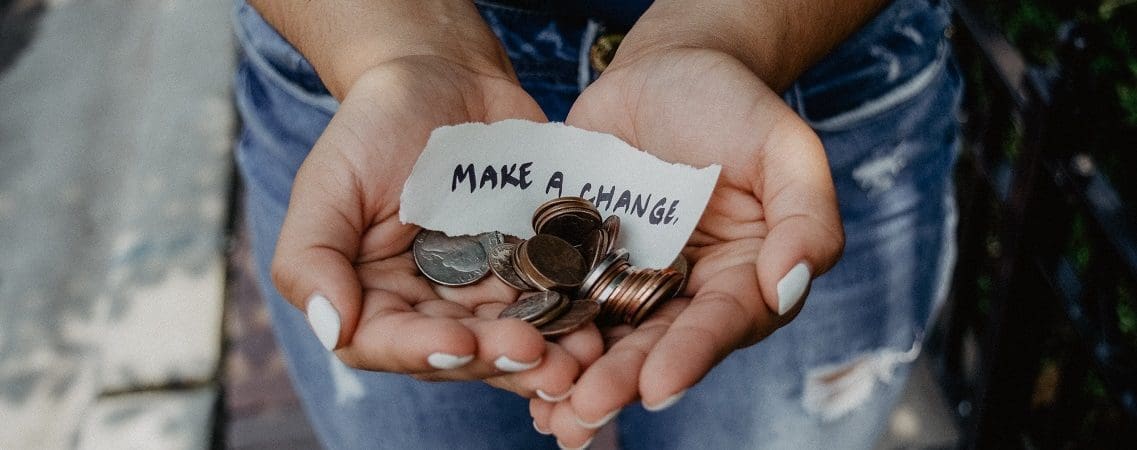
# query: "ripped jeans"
[883,104]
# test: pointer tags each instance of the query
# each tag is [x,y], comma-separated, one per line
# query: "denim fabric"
[883,104]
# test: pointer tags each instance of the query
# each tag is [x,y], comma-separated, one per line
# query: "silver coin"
[450,261]
[501,263]
[491,240]
[615,257]
[535,308]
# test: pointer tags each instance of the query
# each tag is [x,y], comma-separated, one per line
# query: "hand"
[774,208]
[343,256]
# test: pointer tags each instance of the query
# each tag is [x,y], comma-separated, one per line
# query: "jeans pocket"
[888,62]
[271,56]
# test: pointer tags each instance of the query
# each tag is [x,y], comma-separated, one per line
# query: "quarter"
[450,261]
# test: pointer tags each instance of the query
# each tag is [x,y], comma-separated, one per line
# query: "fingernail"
[509,365]
[565,447]
[324,319]
[666,403]
[446,361]
[554,398]
[539,430]
[791,288]
[599,423]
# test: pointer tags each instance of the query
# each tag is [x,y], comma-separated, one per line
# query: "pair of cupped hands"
[770,226]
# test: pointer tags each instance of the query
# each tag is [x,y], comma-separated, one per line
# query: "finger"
[806,237]
[586,345]
[541,411]
[612,382]
[725,314]
[394,337]
[312,266]
[563,423]
[506,345]
[551,381]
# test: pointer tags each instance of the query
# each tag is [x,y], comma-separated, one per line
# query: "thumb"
[806,237]
[312,267]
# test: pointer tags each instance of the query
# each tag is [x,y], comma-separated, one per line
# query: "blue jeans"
[883,104]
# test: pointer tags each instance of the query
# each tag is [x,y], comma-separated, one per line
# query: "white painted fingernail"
[446,361]
[324,319]
[666,403]
[791,288]
[582,447]
[554,398]
[599,423]
[539,430]
[508,365]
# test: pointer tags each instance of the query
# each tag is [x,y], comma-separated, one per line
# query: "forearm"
[778,40]
[344,38]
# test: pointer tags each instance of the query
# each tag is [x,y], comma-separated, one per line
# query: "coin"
[555,261]
[535,308]
[665,289]
[681,265]
[450,261]
[501,262]
[580,313]
[595,247]
[611,226]
[571,226]
[490,240]
[598,271]
[569,218]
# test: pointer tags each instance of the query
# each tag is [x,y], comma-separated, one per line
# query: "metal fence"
[1036,348]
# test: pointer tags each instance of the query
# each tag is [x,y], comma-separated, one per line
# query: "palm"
[348,190]
[701,107]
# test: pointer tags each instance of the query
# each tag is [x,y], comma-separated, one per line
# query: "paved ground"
[115,127]
[115,200]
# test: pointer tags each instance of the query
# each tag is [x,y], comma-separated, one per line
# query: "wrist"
[344,39]
[777,41]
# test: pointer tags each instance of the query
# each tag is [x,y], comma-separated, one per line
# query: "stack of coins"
[569,218]
[573,254]
[627,293]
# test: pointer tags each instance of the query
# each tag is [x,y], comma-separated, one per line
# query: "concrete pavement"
[115,127]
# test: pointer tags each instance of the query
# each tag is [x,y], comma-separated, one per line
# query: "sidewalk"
[115,134]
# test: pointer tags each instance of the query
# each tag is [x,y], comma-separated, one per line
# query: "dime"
[501,262]
[450,261]
[555,261]
[535,308]
[581,312]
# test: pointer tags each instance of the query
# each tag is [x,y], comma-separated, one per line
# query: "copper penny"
[554,260]
[581,312]
[572,226]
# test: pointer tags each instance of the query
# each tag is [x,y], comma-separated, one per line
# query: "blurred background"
[128,318]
